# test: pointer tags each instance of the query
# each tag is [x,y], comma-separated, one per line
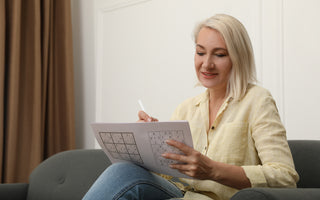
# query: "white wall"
[84,70]
[143,49]
[301,68]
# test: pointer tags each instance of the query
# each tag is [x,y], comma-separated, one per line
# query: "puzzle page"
[143,143]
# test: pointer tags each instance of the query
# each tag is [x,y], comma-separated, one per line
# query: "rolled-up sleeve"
[269,135]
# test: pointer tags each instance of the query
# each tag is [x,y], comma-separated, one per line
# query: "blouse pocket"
[232,142]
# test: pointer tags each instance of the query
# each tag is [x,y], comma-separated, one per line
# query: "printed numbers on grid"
[121,146]
[159,145]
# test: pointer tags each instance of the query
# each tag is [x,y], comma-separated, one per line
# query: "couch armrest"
[278,194]
[14,191]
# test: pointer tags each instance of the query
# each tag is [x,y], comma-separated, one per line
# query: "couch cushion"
[307,162]
[277,194]
[13,191]
[67,175]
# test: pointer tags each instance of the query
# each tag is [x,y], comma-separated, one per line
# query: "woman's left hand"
[192,163]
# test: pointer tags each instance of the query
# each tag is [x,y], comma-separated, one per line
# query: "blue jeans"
[129,181]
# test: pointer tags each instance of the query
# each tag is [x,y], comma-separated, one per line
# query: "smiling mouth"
[209,75]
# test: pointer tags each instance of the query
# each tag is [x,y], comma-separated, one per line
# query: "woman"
[239,140]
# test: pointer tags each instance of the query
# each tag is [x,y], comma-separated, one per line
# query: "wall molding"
[101,10]
[99,41]
[118,4]
[272,59]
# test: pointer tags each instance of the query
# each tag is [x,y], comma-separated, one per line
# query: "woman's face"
[212,61]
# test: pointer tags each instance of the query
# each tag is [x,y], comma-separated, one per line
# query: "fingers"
[189,154]
[177,157]
[183,168]
[190,163]
[186,150]
[181,146]
[185,165]
[144,117]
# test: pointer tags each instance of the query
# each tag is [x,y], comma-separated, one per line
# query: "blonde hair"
[240,51]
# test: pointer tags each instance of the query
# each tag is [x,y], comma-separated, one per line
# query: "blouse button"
[204,149]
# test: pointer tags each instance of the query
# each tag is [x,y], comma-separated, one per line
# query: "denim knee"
[129,181]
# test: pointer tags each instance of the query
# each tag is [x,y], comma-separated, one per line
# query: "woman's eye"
[220,55]
[200,53]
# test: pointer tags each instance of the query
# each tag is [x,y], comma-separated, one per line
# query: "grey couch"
[307,162]
[69,175]
[65,176]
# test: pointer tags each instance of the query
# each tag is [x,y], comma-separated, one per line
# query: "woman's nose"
[208,63]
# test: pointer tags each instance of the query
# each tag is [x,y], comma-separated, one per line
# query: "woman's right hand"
[144,117]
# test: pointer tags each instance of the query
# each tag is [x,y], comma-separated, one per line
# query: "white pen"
[150,119]
[141,105]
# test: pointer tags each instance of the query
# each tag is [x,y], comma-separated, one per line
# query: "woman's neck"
[217,95]
[216,99]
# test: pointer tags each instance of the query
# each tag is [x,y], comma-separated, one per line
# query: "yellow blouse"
[247,133]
